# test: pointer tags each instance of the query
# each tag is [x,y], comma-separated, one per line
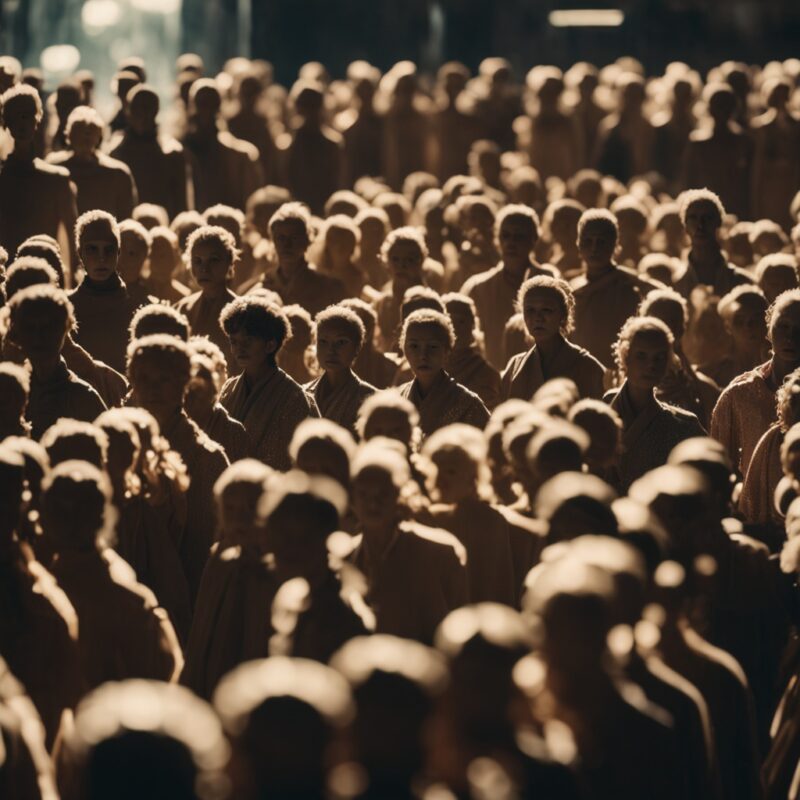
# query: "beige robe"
[445,402]
[340,405]
[524,375]
[270,411]
[471,369]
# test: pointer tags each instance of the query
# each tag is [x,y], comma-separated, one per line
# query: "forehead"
[98,231]
[208,247]
[426,332]
[599,227]
[130,237]
[542,294]
[336,327]
[649,340]
[516,224]
[789,312]
[702,207]
[405,247]
[289,227]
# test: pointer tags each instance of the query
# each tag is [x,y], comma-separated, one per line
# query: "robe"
[524,375]
[374,367]
[420,578]
[231,621]
[603,305]
[743,413]
[123,633]
[107,382]
[270,411]
[306,286]
[104,312]
[444,403]
[757,500]
[102,182]
[62,394]
[527,538]
[468,366]
[340,405]
[689,389]
[203,315]
[649,435]
[229,433]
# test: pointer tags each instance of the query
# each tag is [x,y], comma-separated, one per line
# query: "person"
[548,308]
[560,227]
[111,750]
[340,238]
[231,622]
[103,307]
[211,253]
[651,428]
[454,458]
[134,250]
[262,397]
[372,364]
[466,363]
[70,439]
[426,340]
[35,197]
[495,291]
[296,358]
[40,626]
[294,279]
[15,386]
[123,632]
[249,123]
[40,318]
[776,273]
[391,549]
[224,169]
[159,369]
[746,408]
[604,428]
[339,392]
[159,318]
[164,258]
[102,182]
[607,294]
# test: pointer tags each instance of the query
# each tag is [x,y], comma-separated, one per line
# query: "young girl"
[340,240]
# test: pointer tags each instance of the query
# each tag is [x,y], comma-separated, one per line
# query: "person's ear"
[272,346]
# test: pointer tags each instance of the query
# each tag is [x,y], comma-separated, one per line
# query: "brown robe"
[203,315]
[446,402]
[690,389]
[229,433]
[524,375]
[743,413]
[270,411]
[757,500]
[306,287]
[107,382]
[374,367]
[340,405]
[468,366]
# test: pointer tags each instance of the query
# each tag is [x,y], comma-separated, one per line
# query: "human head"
[389,415]
[702,214]
[21,112]
[743,311]
[142,109]
[28,271]
[49,251]
[604,428]
[40,318]
[783,328]
[668,306]
[516,230]
[776,273]
[70,440]
[426,340]
[598,233]
[455,456]
[321,447]
[237,493]
[291,230]
[227,217]
[159,369]
[211,253]
[134,249]
[548,307]
[151,215]
[97,240]
[256,330]
[643,351]
[84,130]
[554,449]
[159,318]
[464,315]
[340,336]
[15,384]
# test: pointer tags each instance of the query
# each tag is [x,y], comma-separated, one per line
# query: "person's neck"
[24,151]
[516,271]
[705,256]
[214,291]
[44,369]
[109,284]
[288,269]
[593,273]
[424,384]
[85,158]
[640,397]
[338,377]
[258,372]
[547,348]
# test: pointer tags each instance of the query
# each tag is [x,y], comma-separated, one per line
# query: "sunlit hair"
[151,211]
[389,456]
[247,472]
[561,289]
[344,318]
[212,233]
[784,398]
[365,311]
[68,434]
[766,227]
[49,251]
[469,444]
[120,431]
[434,319]
[203,346]
[664,296]
[217,215]
[589,407]
[544,446]
[321,430]
[293,212]
[17,93]
[692,196]
[404,234]
[257,317]
[91,218]
[11,374]
[517,212]
[158,318]
[782,261]
[463,302]
[391,400]
[417,297]
[167,349]
[137,229]
[28,271]
[86,116]
[340,222]
[599,216]
[781,303]
[296,312]
[630,330]
[43,295]
[730,302]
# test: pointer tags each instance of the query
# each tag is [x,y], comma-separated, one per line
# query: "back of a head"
[574,504]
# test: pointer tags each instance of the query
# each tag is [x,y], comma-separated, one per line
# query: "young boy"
[263,397]
[41,317]
[211,253]
[339,392]
[103,307]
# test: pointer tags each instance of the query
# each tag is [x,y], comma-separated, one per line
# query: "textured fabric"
[203,315]
[340,405]
[524,375]
[685,387]
[107,382]
[469,368]
[757,500]
[270,411]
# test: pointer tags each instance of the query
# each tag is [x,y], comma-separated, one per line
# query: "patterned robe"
[229,433]
[340,405]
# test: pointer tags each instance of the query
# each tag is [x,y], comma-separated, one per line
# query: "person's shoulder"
[739,275]
[476,282]
[113,164]
[188,302]
[743,383]
[637,279]
[59,157]
[239,145]
[585,356]
[51,171]
[425,537]
[123,576]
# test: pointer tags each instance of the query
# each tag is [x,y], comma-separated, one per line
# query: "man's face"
[336,349]
[375,498]
[210,264]
[405,264]
[516,239]
[99,251]
[647,360]
[132,255]
[250,352]
[596,244]
[702,222]
[291,241]
[543,314]
[389,422]
[19,116]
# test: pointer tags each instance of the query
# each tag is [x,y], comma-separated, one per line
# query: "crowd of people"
[383,439]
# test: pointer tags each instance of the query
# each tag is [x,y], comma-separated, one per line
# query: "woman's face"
[748,325]
[785,335]
[647,359]
[543,312]
[425,350]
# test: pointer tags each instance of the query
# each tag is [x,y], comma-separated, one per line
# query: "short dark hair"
[257,317]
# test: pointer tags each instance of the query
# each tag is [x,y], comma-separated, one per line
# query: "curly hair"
[561,289]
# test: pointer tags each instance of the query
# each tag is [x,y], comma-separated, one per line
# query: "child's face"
[389,422]
[543,314]
[84,139]
[405,264]
[455,476]
[425,350]
[155,386]
[515,239]
[40,331]
[201,395]
[291,241]
[647,360]
[596,244]
[132,255]
[463,324]
[210,264]
[336,349]
[250,352]
[99,251]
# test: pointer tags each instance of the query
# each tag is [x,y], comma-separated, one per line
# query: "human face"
[132,255]
[785,336]
[463,324]
[404,261]
[455,476]
[336,349]
[39,332]
[340,245]
[251,352]
[162,259]
[211,265]
[19,117]
[375,499]
[543,313]
[291,242]
[596,245]
[99,251]
[156,387]
[237,513]
[702,222]
[425,351]
[776,281]
[389,422]
[516,238]
[318,457]
[142,114]
[200,397]
[748,325]
[647,360]
[84,139]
